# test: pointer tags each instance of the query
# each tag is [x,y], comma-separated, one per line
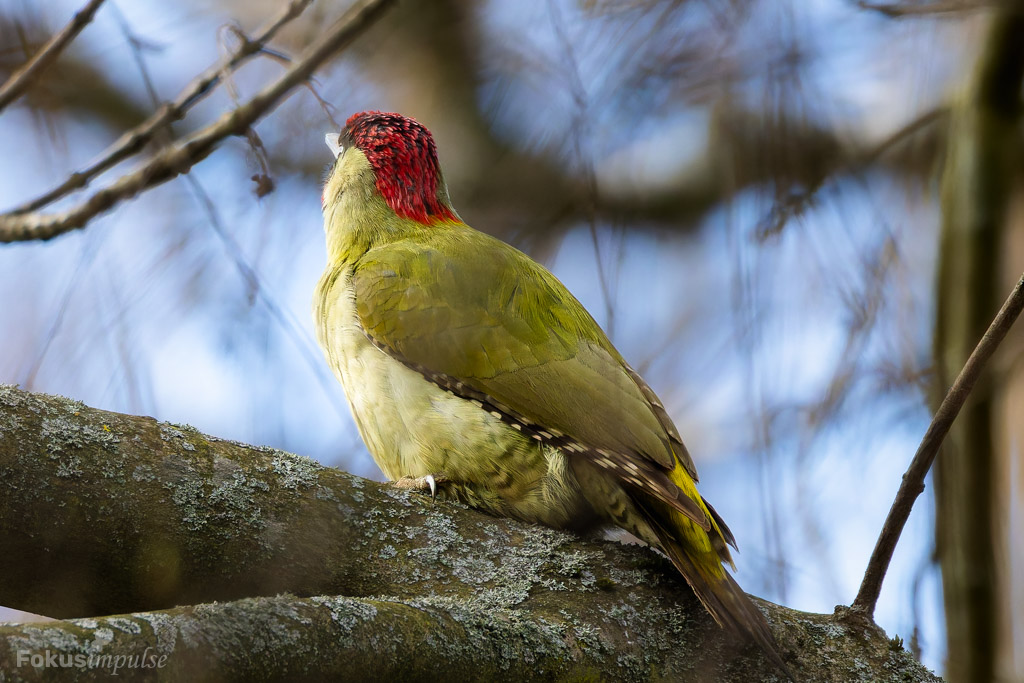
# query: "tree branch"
[179,158]
[913,480]
[103,513]
[428,638]
[897,10]
[134,140]
[23,77]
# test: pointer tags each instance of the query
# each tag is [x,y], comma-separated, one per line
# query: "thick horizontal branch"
[106,513]
[180,157]
[430,638]
[21,79]
[317,639]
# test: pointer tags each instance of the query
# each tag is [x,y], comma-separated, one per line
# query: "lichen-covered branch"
[103,513]
[427,638]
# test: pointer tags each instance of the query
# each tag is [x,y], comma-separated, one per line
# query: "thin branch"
[292,329]
[913,480]
[798,202]
[580,130]
[137,138]
[22,78]
[896,10]
[179,158]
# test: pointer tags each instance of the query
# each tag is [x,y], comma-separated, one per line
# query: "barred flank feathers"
[637,472]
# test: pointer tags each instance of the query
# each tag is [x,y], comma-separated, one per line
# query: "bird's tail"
[699,555]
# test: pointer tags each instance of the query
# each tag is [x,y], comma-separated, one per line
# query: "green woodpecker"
[461,356]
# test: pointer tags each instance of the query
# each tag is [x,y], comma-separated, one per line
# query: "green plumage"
[460,355]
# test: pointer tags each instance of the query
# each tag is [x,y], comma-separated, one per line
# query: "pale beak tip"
[333,141]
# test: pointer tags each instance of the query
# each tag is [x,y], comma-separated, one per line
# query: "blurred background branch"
[180,157]
[912,8]
[132,141]
[18,81]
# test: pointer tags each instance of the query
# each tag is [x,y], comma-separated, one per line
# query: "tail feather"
[702,568]
[720,523]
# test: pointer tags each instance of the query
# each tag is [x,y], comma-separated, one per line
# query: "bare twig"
[797,202]
[913,480]
[137,138]
[580,130]
[22,78]
[283,317]
[179,158]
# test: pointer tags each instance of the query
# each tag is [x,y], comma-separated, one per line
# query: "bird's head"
[393,156]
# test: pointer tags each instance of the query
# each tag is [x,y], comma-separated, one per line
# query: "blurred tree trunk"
[1009,466]
[971,516]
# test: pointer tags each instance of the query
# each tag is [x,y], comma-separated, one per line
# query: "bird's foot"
[422,484]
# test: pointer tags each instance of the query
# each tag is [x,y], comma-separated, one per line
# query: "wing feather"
[480,319]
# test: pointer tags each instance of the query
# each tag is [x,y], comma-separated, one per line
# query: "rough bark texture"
[102,513]
[978,177]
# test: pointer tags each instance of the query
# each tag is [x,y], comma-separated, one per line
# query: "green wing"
[482,319]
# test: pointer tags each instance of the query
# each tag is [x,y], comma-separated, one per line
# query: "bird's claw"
[422,484]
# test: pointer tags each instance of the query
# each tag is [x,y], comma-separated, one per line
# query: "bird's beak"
[333,141]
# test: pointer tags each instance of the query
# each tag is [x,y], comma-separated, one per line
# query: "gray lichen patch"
[546,559]
[73,637]
[10,398]
[143,473]
[586,635]
[904,667]
[63,433]
[346,612]
[69,467]
[295,471]
[226,504]
[631,576]
[500,568]
[179,435]
[400,496]
[125,625]
[494,633]
[13,397]
[244,628]
[163,629]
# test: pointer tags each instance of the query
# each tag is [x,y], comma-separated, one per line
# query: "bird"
[469,366]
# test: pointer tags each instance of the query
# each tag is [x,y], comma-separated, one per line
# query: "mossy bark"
[102,513]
